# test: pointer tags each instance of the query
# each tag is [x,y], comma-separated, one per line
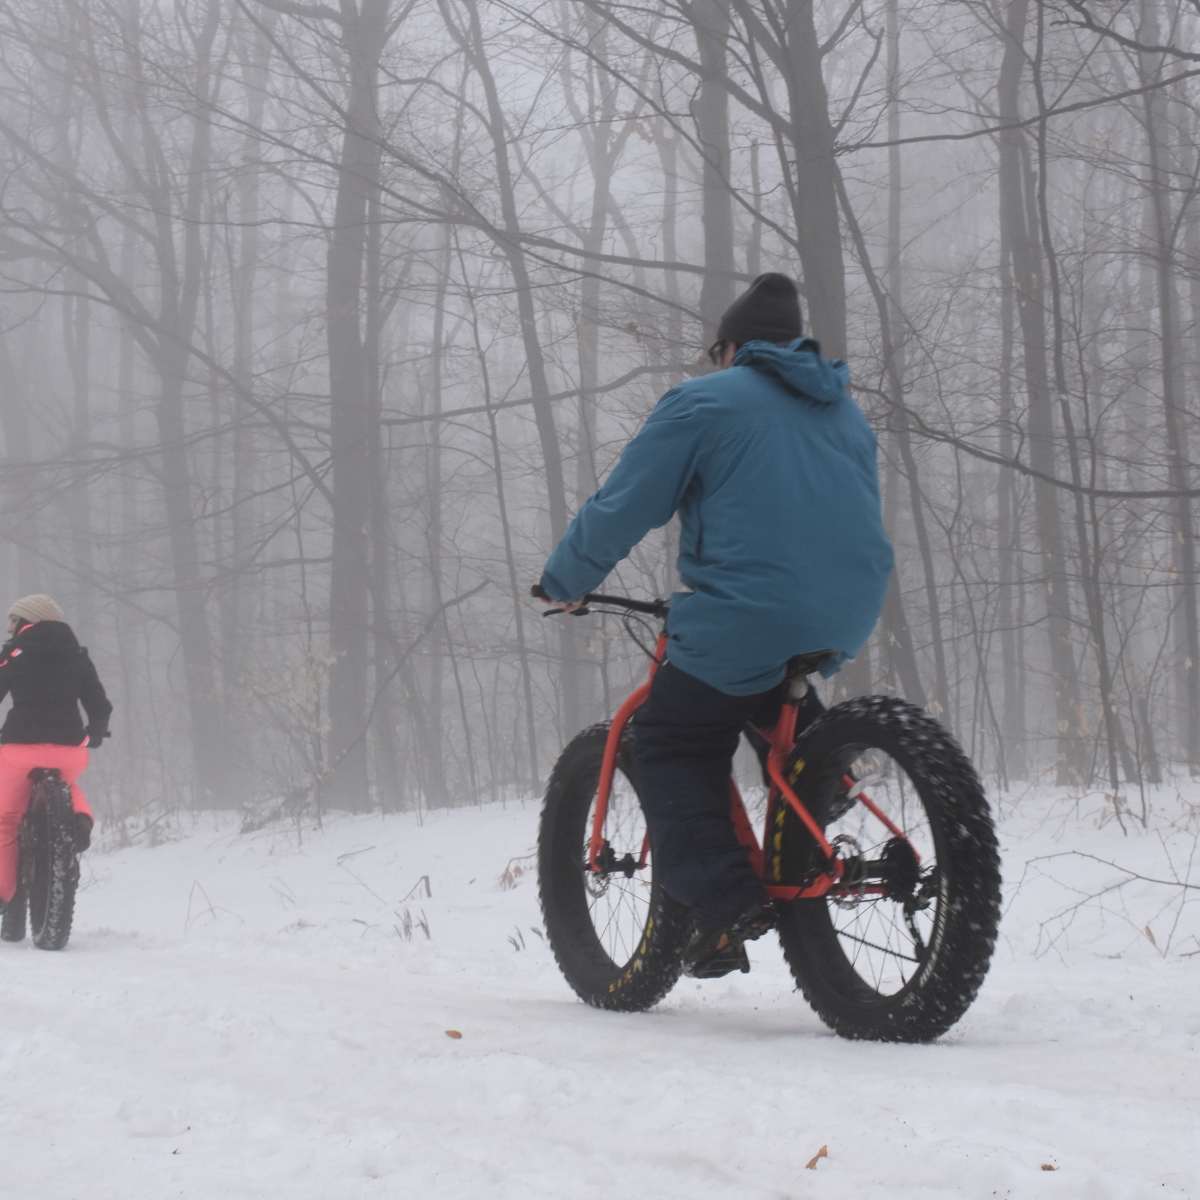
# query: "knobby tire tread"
[657,963]
[55,875]
[968,857]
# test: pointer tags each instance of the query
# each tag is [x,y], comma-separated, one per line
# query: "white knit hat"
[36,608]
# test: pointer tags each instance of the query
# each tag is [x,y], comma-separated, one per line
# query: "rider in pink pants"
[48,675]
[16,762]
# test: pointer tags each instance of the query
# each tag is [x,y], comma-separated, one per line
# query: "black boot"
[722,951]
[82,832]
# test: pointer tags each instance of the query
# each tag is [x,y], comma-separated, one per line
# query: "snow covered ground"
[243,1016]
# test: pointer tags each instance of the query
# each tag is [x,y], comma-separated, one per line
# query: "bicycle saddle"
[809,664]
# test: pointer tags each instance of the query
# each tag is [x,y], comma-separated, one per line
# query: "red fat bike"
[878,848]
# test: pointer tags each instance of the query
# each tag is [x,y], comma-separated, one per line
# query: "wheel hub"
[900,872]
[852,890]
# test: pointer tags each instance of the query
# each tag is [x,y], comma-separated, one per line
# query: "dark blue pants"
[684,739]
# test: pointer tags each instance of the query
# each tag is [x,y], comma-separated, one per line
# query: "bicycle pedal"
[755,922]
[719,965]
[714,955]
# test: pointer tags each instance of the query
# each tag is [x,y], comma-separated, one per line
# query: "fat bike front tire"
[50,863]
[900,955]
[617,936]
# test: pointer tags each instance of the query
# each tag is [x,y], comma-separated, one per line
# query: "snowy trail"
[238,1017]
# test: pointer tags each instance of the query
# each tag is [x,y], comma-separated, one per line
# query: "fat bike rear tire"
[50,863]
[899,960]
[617,936]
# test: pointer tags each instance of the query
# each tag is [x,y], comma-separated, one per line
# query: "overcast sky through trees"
[319,321]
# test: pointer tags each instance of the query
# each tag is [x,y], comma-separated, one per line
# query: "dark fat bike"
[48,866]
[878,849]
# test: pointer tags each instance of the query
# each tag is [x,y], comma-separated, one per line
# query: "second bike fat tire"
[656,963]
[48,840]
[960,950]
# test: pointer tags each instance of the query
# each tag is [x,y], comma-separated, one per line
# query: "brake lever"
[539,593]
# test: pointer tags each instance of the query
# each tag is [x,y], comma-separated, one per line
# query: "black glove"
[82,832]
[95,737]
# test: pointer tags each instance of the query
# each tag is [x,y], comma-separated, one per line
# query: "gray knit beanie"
[768,310]
[36,608]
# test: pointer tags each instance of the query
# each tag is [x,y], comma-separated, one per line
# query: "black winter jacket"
[49,674]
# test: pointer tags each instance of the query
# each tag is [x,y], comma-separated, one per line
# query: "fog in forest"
[320,320]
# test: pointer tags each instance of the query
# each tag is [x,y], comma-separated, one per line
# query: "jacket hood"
[799,367]
[53,639]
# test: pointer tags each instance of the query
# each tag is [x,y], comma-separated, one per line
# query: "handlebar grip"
[539,593]
[653,608]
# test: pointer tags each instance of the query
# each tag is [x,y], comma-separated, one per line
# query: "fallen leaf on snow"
[1049,1167]
[812,1162]
[453,1033]
[1151,937]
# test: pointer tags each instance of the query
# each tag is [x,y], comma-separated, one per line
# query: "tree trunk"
[668,149]
[435,771]
[710,20]
[346,786]
[898,636]
[23,518]
[1089,558]
[1008,545]
[236,598]
[180,298]
[128,623]
[475,47]
[514,585]
[1175,415]
[1018,222]
[815,198]
[384,722]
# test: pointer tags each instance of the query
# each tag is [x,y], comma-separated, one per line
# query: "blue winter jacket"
[772,469]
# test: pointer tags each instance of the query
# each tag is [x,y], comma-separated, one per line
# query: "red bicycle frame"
[782,739]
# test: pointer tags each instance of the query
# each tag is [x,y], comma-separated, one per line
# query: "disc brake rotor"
[852,890]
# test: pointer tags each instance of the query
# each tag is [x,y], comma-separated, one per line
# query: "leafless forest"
[319,321]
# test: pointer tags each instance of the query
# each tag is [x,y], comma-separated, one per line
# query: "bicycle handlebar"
[652,608]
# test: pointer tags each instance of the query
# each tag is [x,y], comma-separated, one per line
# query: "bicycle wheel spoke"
[620,906]
[881,935]
[875,946]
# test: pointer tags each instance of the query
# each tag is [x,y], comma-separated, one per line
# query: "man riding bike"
[48,673]
[772,468]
